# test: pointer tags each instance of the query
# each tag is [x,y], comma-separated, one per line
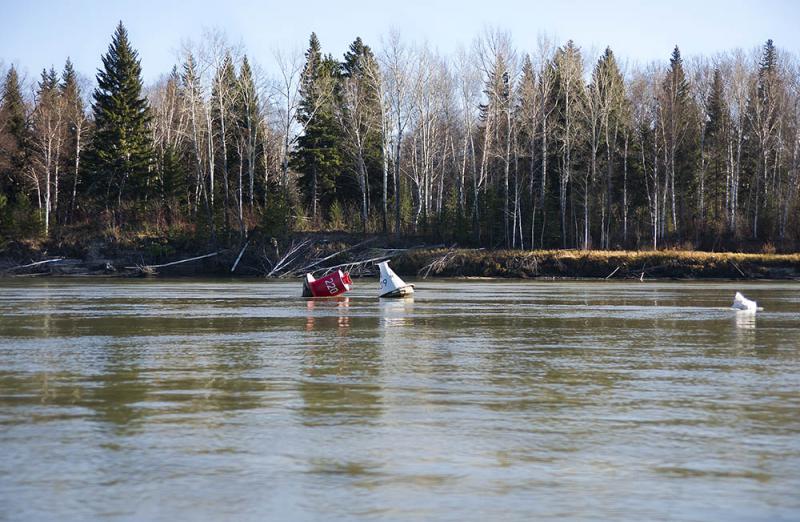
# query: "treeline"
[493,147]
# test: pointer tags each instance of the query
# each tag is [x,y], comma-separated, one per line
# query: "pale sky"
[38,33]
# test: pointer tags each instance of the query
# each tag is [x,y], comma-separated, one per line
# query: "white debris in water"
[740,302]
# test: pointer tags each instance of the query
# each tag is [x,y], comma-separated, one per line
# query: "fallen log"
[241,253]
[283,264]
[37,263]
[152,269]
[438,264]
[318,262]
[737,268]
[349,266]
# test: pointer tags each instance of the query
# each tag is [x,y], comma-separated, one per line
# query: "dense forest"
[495,146]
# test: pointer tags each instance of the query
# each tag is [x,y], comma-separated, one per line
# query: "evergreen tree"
[679,131]
[570,99]
[715,142]
[194,106]
[611,87]
[318,157]
[120,158]
[14,137]
[764,112]
[360,113]
[767,68]
[75,119]
[170,152]
[495,116]
[527,115]
[48,136]
[247,115]
[223,95]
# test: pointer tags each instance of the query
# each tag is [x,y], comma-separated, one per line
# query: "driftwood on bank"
[282,265]
[317,258]
[438,264]
[153,269]
[239,257]
[318,262]
[32,265]
[441,263]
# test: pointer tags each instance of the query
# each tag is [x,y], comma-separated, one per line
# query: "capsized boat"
[391,284]
[335,283]
[740,302]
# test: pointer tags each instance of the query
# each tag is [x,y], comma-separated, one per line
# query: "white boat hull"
[403,291]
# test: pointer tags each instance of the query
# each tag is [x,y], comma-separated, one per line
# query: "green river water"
[220,400]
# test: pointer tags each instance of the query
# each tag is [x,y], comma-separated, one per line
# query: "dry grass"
[601,264]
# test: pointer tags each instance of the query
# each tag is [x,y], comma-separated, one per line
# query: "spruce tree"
[17,215]
[171,171]
[223,94]
[679,121]
[47,124]
[14,137]
[120,159]
[360,113]
[569,99]
[247,115]
[75,128]
[767,66]
[614,107]
[715,141]
[317,157]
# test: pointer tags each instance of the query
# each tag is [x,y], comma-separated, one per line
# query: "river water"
[220,400]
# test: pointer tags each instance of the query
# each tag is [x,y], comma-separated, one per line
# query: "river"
[477,400]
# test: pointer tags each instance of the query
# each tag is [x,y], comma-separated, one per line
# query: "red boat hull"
[335,283]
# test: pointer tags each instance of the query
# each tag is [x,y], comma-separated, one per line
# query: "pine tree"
[120,159]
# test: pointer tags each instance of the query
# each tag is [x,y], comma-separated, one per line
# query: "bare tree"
[49,117]
[287,89]
[571,97]
[498,64]
[397,68]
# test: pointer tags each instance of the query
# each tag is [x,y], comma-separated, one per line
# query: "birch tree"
[48,124]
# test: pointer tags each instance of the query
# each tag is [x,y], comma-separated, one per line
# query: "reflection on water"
[219,400]
[745,319]
[327,311]
[397,312]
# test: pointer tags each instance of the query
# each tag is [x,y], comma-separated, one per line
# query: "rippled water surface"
[222,400]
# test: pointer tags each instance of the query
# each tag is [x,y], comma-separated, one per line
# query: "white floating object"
[391,284]
[740,302]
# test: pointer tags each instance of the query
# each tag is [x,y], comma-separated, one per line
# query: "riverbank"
[601,264]
[317,252]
